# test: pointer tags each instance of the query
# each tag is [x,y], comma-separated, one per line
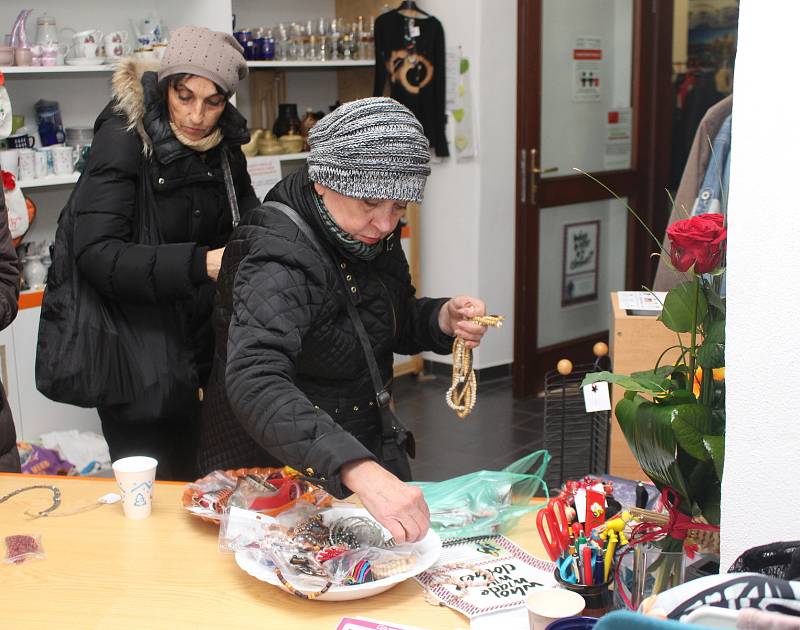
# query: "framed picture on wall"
[581,262]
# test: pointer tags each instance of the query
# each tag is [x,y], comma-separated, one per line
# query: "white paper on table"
[641,300]
[515,619]
[515,572]
[364,623]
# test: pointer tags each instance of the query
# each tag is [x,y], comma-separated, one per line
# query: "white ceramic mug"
[79,40]
[27,163]
[117,37]
[90,50]
[115,44]
[9,161]
[39,164]
[63,160]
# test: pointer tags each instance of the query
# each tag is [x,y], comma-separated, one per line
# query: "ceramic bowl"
[291,143]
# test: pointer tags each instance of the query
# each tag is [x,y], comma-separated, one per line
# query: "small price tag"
[596,397]
[414,30]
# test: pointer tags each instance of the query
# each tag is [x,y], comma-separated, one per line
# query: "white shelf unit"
[109,67]
[287,65]
[286,157]
[106,67]
[50,180]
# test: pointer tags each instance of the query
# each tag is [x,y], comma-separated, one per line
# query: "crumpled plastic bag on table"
[37,460]
[87,450]
[487,501]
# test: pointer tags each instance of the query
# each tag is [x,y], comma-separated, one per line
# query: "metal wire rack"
[577,441]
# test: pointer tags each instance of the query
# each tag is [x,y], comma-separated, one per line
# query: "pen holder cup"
[598,597]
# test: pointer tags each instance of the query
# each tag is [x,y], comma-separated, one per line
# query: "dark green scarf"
[344,239]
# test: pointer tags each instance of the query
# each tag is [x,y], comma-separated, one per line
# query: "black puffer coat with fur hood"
[132,137]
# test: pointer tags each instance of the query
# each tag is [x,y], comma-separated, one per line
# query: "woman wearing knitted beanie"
[291,383]
[159,147]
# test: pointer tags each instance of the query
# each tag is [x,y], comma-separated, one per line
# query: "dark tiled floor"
[499,430]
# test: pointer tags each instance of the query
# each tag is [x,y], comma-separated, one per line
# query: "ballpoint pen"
[609,557]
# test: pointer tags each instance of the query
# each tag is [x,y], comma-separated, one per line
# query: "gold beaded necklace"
[463,393]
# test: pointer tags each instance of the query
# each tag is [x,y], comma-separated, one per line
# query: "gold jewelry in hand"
[463,393]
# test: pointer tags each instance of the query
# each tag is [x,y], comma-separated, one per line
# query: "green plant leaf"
[690,423]
[678,305]
[715,300]
[464,65]
[458,114]
[709,503]
[711,354]
[648,431]
[715,445]
[645,382]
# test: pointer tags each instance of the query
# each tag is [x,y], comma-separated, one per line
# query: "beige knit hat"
[213,55]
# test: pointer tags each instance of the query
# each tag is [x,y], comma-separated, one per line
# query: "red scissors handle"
[548,534]
[551,521]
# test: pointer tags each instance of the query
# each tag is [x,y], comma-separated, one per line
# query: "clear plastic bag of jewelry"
[22,547]
[243,529]
[359,566]
[487,501]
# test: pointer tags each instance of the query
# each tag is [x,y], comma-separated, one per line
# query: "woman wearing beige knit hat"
[314,298]
[163,149]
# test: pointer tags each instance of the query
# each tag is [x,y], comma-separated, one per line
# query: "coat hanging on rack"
[410,53]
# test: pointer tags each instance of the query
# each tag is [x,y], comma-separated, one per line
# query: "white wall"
[467,240]
[763,433]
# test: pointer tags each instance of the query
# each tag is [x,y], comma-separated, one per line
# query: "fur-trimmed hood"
[127,94]
[136,98]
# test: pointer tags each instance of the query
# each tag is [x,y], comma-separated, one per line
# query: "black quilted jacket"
[9,291]
[297,389]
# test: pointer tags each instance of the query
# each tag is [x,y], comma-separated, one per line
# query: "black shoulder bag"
[94,352]
[397,443]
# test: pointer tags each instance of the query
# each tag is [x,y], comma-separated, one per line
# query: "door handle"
[537,171]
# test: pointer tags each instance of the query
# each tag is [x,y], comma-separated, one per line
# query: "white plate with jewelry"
[427,552]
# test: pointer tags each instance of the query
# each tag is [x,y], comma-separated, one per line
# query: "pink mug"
[23,56]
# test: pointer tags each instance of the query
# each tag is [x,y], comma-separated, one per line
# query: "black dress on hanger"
[410,53]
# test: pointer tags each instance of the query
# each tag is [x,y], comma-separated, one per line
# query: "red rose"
[698,241]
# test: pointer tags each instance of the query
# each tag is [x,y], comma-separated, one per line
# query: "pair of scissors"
[551,521]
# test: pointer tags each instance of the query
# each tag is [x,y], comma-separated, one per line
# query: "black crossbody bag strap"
[382,397]
[226,173]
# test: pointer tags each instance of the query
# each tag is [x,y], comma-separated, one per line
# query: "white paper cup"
[9,161]
[27,164]
[63,160]
[547,604]
[40,164]
[135,478]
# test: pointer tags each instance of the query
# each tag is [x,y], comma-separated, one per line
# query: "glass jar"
[656,568]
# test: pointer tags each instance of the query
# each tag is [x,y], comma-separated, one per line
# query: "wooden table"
[105,571]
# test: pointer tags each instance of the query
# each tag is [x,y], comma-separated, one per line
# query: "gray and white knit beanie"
[372,148]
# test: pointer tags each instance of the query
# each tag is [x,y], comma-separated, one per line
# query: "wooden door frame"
[651,99]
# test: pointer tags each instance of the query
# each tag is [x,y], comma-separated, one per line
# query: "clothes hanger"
[409,8]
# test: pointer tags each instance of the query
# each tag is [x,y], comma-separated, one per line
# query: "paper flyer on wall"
[514,572]
[265,172]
